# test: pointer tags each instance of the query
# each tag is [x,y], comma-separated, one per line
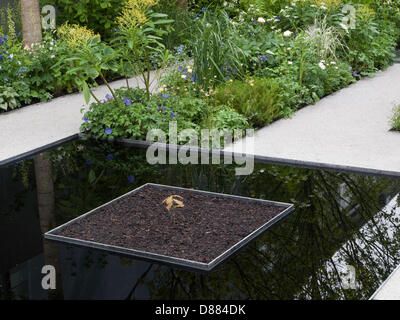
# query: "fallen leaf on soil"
[171,201]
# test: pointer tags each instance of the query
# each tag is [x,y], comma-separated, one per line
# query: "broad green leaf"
[86,92]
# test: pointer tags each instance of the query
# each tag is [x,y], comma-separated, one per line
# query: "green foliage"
[225,117]
[266,6]
[216,53]
[135,118]
[89,60]
[180,30]
[27,72]
[371,44]
[97,15]
[139,39]
[257,99]
[8,98]
[10,18]
[396,118]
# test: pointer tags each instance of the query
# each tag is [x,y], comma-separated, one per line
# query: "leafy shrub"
[27,72]
[371,43]
[97,15]
[8,98]
[257,99]
[133,115]
[396,119]
[338,77]
[225,117]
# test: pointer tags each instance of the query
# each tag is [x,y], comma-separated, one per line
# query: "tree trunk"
[31,23]
[46,207]
[182,3]
[5,286]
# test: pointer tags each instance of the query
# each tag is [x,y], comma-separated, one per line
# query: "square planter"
[205,230]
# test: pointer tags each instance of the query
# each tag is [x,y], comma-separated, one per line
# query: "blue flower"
[180,68]
[110,157]
[131,179]
[89,162]
[227,77]
[127,101]
[108,131]
[355,73]
[277,18]
[86,119]
[179,50]
[203,9]
[109,97]
[174,114]
[165,96]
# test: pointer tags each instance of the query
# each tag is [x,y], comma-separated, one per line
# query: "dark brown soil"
[202,230]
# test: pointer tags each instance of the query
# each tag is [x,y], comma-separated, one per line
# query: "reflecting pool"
[341,241]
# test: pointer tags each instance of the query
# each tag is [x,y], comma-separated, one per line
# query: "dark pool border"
[53,235]
[263,159]
[268,160]
[33,152]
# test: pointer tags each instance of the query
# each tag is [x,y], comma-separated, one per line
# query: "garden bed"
[199,235]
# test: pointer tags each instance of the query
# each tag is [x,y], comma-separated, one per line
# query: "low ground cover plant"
[396,118]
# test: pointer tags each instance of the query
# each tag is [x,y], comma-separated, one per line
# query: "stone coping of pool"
[202,267]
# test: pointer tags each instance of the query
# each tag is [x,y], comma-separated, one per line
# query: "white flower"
[287,33]
[333,62]
[321,65]
[261,20]
[290,62]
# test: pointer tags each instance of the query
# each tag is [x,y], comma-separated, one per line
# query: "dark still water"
[341,241]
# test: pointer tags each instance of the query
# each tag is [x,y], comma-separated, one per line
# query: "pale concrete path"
[35,126]
[349,128]
[390,290]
